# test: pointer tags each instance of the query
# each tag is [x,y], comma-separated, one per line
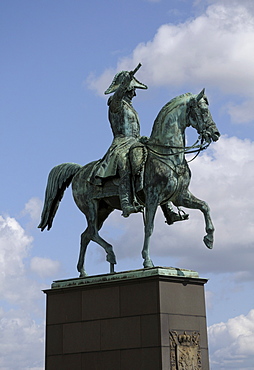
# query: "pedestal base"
[152,319]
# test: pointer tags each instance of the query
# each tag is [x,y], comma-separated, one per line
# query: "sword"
[132,73]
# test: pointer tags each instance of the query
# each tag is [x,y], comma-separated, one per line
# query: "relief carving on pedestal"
[185,351]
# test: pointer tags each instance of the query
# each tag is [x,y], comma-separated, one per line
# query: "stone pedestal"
[149,319]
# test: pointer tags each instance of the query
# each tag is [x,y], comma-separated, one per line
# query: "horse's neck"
[168,134]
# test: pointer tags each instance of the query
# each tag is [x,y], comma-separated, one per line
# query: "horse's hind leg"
[103,213]
[91,233]
[95,221]
[85,239]
[111,258]
[188,200]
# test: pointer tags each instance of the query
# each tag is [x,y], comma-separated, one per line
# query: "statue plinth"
[143,319]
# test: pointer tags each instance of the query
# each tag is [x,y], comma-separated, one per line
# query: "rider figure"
[125,126]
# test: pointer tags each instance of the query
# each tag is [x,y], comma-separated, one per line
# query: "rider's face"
[131,93]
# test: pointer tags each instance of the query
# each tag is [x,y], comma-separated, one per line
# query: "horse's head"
[201,119]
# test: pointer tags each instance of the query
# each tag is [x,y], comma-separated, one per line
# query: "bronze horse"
[166,178]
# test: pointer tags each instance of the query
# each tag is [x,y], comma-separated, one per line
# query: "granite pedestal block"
[150,319]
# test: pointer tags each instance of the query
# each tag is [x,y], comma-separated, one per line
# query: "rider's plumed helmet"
[118,79]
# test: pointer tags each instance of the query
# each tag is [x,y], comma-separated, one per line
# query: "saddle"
[137,155]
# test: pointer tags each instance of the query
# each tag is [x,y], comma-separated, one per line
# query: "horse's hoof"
[208,241]
[83,274]
[148,264]
[112,268]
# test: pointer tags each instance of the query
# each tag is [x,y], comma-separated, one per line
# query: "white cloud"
[21,341]
[22,300]
[231,343]
[33,208]
[44,267]
[241,113]
[247,3]
[14,246]
[213,50]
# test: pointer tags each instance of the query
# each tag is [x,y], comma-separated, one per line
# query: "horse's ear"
[201,94]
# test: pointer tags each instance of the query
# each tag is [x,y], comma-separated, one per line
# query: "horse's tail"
[59,179]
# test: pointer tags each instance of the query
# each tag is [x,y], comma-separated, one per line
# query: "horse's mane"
[168,108]
[174,103]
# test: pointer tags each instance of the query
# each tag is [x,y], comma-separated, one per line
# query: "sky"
[57,59]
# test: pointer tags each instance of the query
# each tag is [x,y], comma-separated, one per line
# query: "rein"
[186,150]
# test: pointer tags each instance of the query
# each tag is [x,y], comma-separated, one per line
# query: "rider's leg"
[126,194]
[172,216]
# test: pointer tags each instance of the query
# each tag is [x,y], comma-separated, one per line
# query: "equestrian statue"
[137,173]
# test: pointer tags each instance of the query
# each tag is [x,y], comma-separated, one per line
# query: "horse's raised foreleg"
[150,211]
[188,200]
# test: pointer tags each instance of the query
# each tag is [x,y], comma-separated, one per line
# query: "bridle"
[195,148]
[200,144]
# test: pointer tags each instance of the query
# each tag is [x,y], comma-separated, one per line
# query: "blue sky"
[58,57]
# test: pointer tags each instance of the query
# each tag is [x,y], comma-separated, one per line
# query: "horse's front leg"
[188,200]
[150,211]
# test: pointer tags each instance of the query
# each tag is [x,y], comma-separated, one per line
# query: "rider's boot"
[172,216]
[125,196]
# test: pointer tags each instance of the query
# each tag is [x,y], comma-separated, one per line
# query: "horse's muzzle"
[215,135]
